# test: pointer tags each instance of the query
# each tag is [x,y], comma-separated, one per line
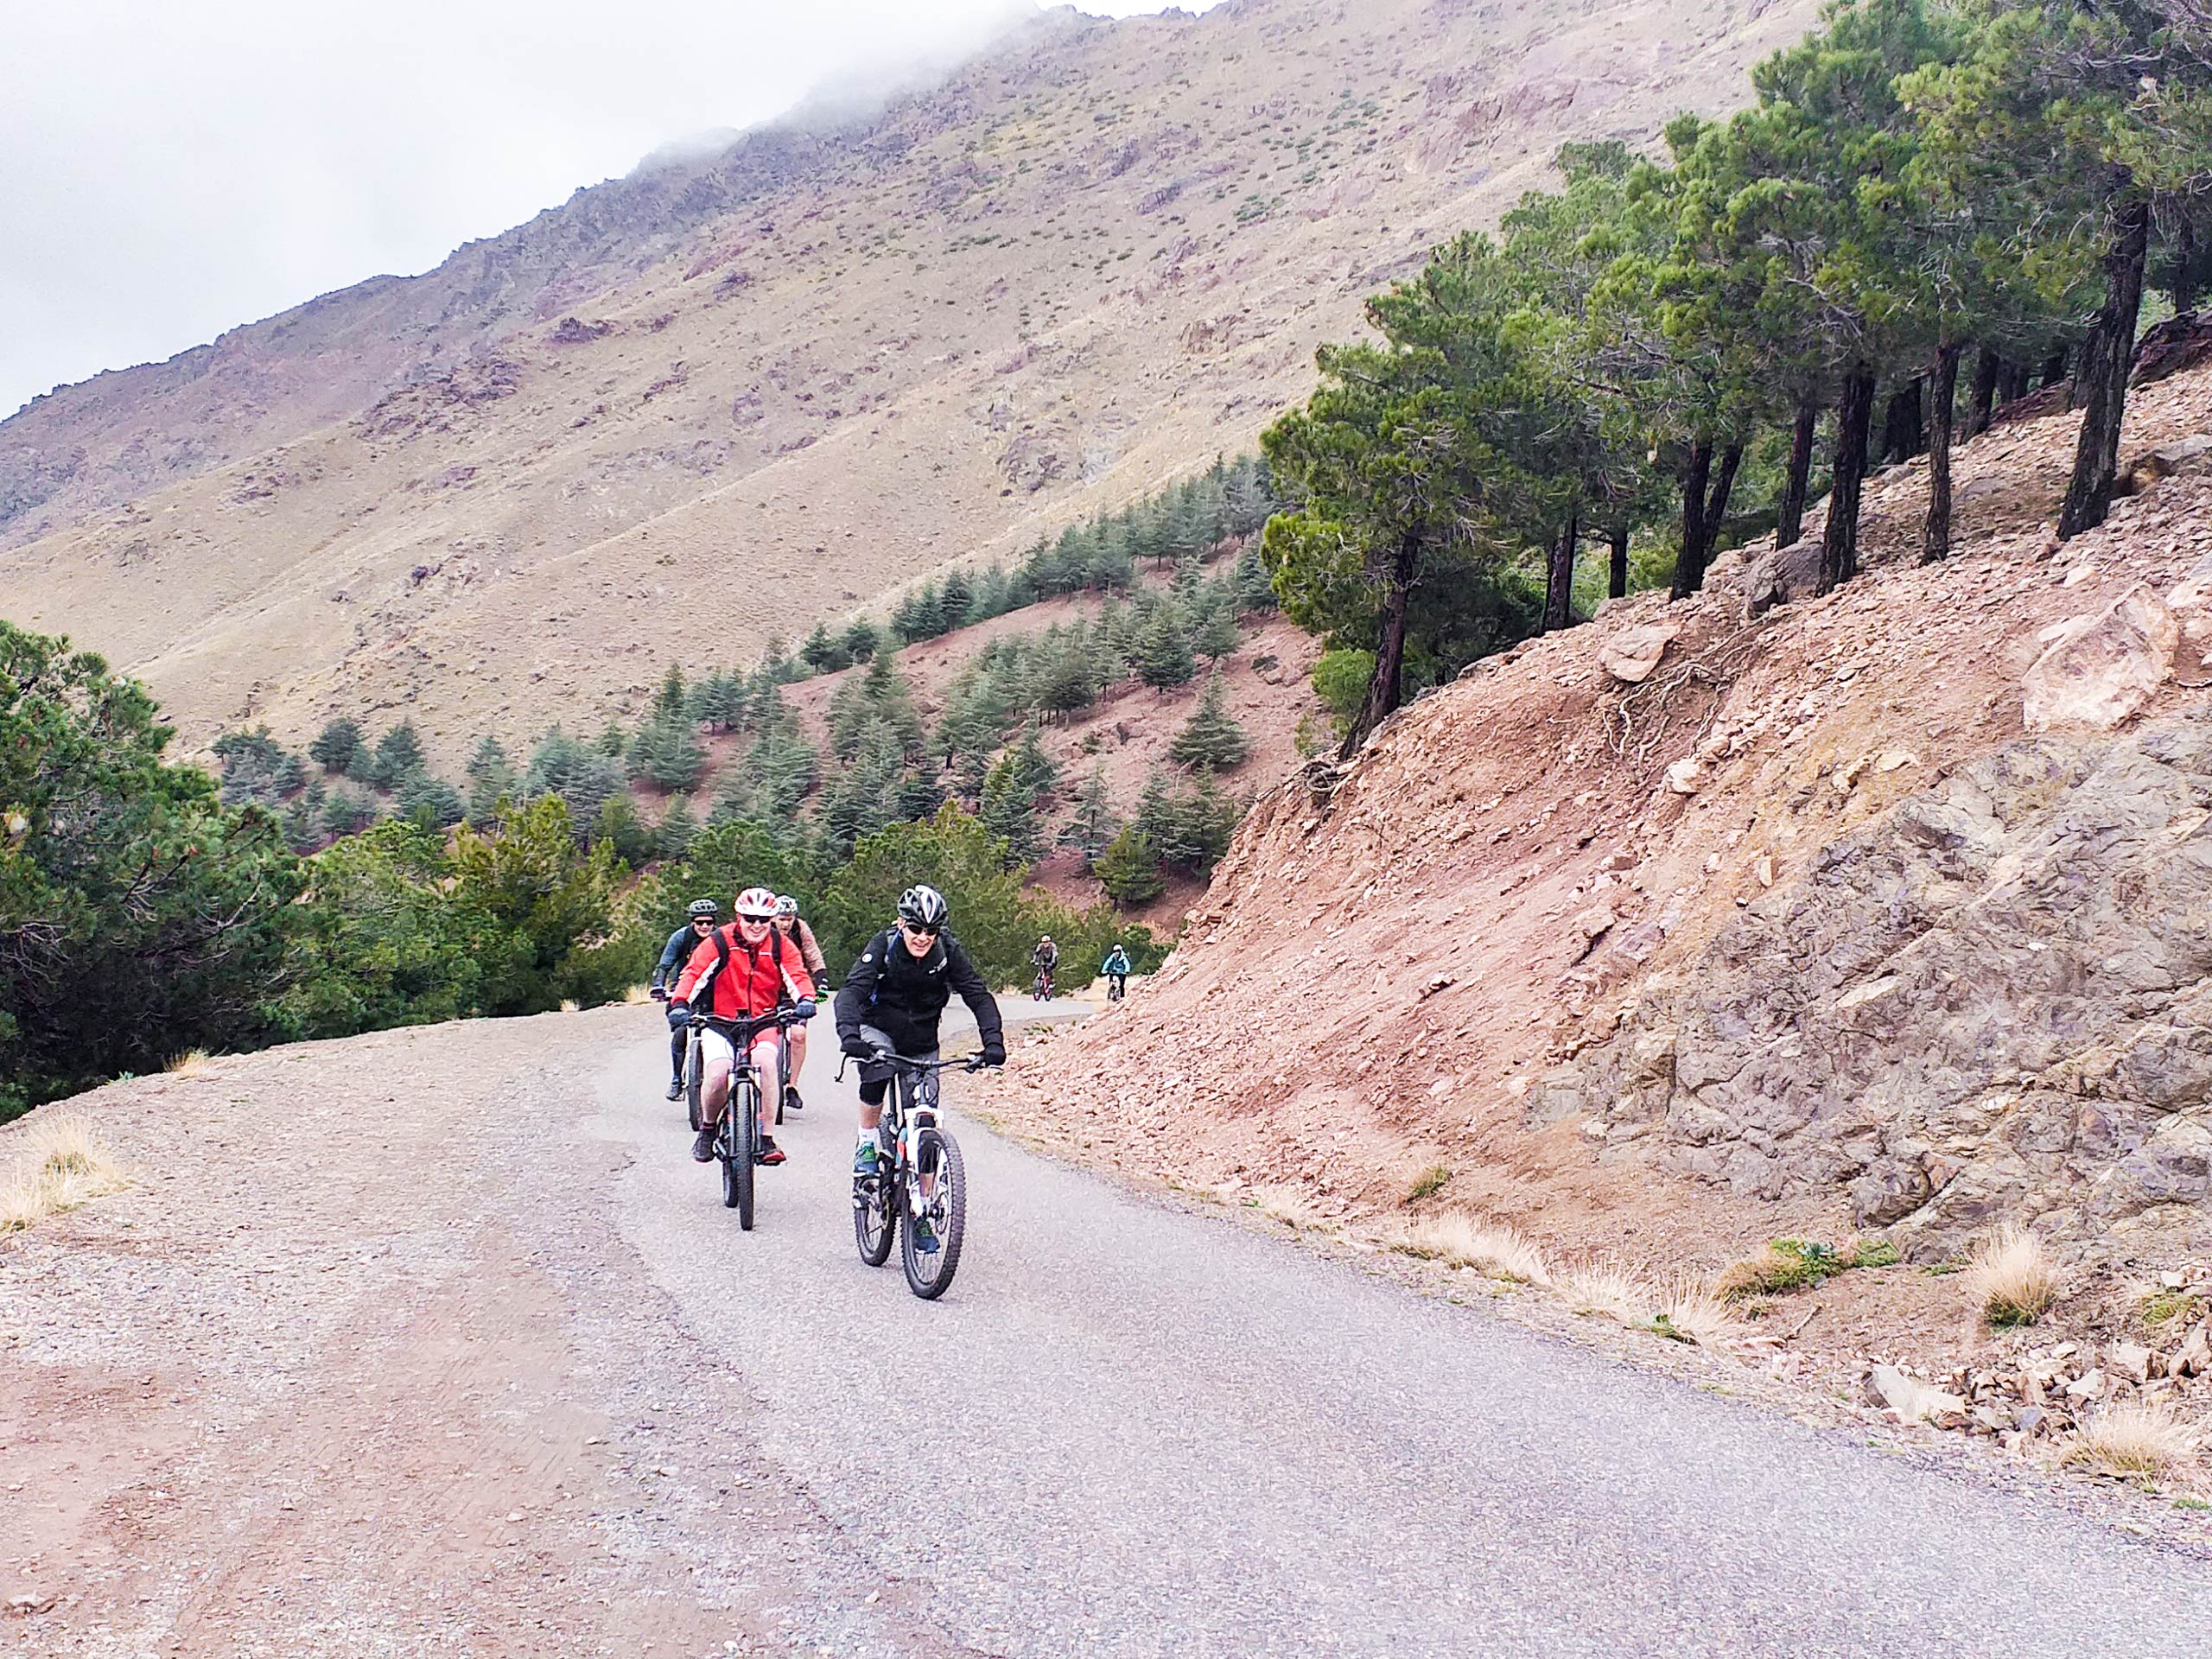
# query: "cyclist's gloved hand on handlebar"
[803,1009]
[821,985]
[856,1046]
[993,1054]
[679,1016]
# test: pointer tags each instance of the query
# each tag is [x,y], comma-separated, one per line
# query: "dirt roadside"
[360,1365]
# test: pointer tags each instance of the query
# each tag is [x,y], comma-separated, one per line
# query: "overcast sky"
[169,170]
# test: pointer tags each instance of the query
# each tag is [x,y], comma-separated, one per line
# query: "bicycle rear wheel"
[938,1169]
[741,1136]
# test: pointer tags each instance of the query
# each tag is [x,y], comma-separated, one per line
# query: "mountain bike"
[1042,987]
[1117,987]
[925,1182]
[737,1138]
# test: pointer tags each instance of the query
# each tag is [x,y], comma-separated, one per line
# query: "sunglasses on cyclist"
[917,930]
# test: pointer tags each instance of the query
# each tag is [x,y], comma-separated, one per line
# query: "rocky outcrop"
[1991,1000]
[2095,671]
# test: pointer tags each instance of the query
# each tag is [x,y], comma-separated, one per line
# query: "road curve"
[1131,1430]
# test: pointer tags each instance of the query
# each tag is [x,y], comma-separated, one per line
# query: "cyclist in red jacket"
[742,972]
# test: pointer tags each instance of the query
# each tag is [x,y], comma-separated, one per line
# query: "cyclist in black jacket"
[893,998]
[704,914]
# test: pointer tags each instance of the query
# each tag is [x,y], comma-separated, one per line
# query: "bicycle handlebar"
[783,1019]
[900,1062]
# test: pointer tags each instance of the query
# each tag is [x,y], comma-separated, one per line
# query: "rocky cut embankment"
[1756,914]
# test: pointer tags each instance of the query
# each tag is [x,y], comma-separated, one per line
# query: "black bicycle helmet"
[924,907]
[706,907]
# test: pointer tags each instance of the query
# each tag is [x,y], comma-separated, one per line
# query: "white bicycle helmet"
[785,904]
[756,905]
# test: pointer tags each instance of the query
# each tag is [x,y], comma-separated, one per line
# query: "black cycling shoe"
[770,1153]
[702,1146]
[676,1089]
[791,1102]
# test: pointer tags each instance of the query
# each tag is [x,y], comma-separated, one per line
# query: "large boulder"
[1994,999]
[1630,655]
[2097,670]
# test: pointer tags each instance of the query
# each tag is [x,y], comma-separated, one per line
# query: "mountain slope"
[772,385]
[1885,910]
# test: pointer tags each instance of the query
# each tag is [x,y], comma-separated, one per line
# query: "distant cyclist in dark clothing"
[893,997]
[704,914]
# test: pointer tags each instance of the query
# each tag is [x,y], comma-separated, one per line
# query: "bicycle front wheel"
[742,1137]
[695,1077]
[935,1196]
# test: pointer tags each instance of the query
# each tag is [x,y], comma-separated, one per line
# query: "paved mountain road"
[506,1378]
[1131,1430]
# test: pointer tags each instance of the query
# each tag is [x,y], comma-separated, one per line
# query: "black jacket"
[902,994]
[674,954]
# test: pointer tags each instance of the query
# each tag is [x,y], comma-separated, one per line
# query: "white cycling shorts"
[715,1049]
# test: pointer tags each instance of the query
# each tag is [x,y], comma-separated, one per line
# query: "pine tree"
[431,801]
[1093,825]
[491,780]
[618,826]
[1190,827]
[673,701]
[1009,812]
[345,812]
[614,742]
[864,797]
[578,773]
[338,749]
[1250,582]
[398,754]
[860,641]
[824,654]
[1211,739]
[1130,869]
[920,794]
[666,754]
[1216,635]
[1034,771]
[1164,658]
[679,827]
[953,602]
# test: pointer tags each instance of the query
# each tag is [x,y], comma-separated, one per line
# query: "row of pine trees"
[1930,209]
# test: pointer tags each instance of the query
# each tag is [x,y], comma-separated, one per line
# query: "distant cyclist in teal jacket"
[1116,970]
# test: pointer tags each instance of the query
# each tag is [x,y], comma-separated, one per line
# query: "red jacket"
[753,984]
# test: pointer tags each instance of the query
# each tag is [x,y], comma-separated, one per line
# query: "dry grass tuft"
[60,1164]
[1607,1289]
[1290,1204]
[1491,1246]
[635,995]
[569,1005]
[21,1202]
[1691,1310]
[2011,1279]
[192,1063]
[2131,1441]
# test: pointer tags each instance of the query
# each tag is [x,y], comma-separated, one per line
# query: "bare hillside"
[1882,912]
[771,385]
